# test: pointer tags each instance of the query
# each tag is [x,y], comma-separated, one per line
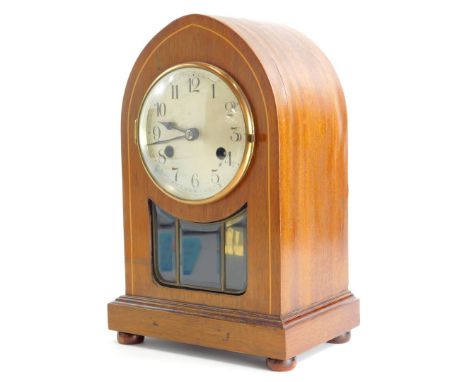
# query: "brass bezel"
[248,120]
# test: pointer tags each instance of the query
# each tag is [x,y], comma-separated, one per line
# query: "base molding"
[253,333]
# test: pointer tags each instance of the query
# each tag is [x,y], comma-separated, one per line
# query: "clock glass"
[195,132]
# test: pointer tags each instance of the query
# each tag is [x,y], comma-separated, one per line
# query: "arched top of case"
[296,100]
[287,64]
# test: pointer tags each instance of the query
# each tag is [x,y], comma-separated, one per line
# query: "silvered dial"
[195,132]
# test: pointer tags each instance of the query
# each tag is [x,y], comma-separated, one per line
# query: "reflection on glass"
[165,237]
[235,249]
[200,253]
[211,256]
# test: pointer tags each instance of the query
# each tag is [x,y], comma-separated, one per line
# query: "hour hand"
[172,126]
[189,134]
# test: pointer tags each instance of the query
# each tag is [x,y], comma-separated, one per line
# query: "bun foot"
[341,339]
[129,339]
[281,365]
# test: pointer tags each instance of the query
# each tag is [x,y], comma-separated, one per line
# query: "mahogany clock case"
[295,190]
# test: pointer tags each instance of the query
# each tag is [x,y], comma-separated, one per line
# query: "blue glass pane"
[209,256]
[200,254]
[166,245]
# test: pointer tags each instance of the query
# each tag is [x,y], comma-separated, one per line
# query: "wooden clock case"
[295,190]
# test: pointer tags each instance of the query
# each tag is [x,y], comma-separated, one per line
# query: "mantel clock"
[234,151]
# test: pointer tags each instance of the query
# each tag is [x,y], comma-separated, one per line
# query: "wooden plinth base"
[281,365]
[341,339]
[274,337]
[129,339]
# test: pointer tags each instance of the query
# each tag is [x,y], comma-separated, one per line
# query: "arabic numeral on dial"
[195,181]
[160,109]
[161,157]
[235,136]
[214,176]
[194,82]
[231,108]
[176,173]
[175,91]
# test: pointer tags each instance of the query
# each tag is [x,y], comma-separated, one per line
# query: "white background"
[63,69]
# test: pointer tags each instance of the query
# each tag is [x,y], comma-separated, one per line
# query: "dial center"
[191,134]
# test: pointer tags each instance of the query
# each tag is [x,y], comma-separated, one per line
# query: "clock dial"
[195,132]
